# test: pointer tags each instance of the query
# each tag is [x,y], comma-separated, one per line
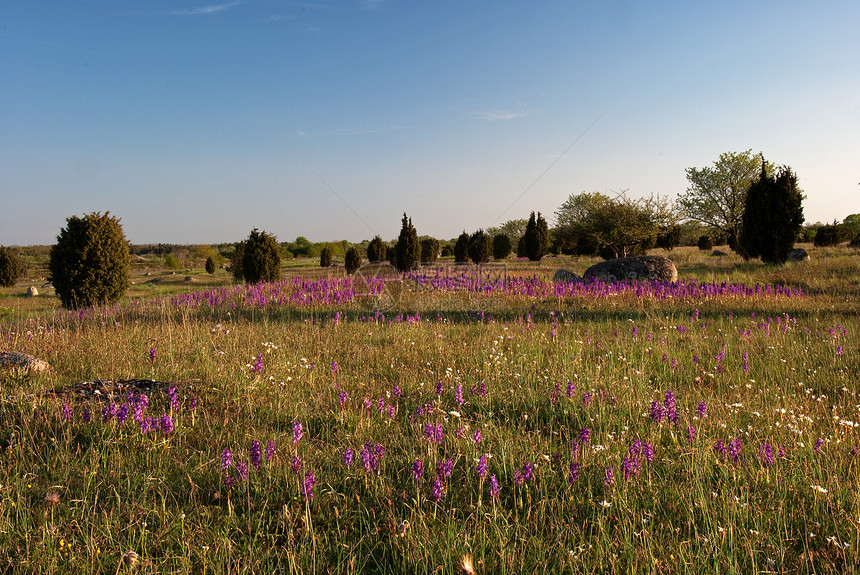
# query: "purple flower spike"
[166,423]
[67,412]
[438,489]
[271,449]
[242,470]
[702,410]
[298,431]
[256,454]
[494,487]
[348,457]
[308,485]
[481,468]
[417,470]
[226,458]
[574,473]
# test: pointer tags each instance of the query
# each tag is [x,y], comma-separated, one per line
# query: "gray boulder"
[22,361]
[798,255]
[563,276]
[32,291]
[636,268]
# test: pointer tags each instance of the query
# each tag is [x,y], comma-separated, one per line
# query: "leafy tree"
[669,237]
[210,265]
[716,195]
[832,234]
[90,262]
[480,247]
[325,258]
[429,250]
[408,249]
[461,248]
[502,246]
[705,243]
[11,267]
[377,251]
[352,260]
[535,240]
[773,216]
[514,229]
[261,258]
[853,223]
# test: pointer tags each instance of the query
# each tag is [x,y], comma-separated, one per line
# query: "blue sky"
[196,121]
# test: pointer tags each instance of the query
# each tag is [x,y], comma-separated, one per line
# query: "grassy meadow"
[388,425]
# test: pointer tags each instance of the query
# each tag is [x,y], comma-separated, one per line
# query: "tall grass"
[766,481]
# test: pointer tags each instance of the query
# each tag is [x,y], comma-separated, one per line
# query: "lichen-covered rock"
[32,291]
[649,268]
[22,361]
[798,255]
[566,277]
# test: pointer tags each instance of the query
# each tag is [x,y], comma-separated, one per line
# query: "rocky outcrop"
[22,362]
[563,276]
[648,268]
[798,255]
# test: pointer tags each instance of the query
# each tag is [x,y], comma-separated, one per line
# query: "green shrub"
[11,267]
[502,246]
[705,243]
[408,250]
[377,251]
[325,258]
[171,261]
[236,262]
[480,247]
[90,262]
[832,235]
[429,250]
[261,258]
[461,248]
[210,265]
[352,260]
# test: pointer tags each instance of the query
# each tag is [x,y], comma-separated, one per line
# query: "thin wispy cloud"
[204,10]
[499,116]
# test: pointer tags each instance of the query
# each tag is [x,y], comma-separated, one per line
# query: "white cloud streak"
[204,10]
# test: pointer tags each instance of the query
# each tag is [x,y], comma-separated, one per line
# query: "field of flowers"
[409,424]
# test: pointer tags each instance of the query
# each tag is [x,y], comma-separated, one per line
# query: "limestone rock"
[22,361]
[798,255]
[566,276]
[636,268]
[32,291]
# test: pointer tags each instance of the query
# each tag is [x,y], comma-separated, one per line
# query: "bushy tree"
[11,267]
[377,251]
[325,258]
[210,265]
[480,247]
[535,240]
[669,237]
[352,260]
[514,229]
[461,248]
[705,243]
[261,258]
[408,248]
[716,195]
[90,262]
[832,235]
[429,250]
[501,246]
[236,261]
[773,216]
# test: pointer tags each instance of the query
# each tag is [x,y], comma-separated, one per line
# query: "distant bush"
[407,250]
[669,237]
[352,260]
[429,250]
[832,235]
[11,267]
[502,246]
[90,262]
[261,258]
[171,261]
[705,243]
[461,248]
[210,265]
[480,247]
[325,258]
[447,251]
[377,251]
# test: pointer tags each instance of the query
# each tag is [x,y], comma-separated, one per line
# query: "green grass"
[690,510]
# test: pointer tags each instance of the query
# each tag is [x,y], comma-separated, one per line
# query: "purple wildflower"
[671,409]
[192,405]
[152,354]
[746,358]
[584,435]
[241,470]
[702,410]
[574,472]
[308,485]
[342,396]
[271,449]
[173,397]
[494,486]
[397,391]
[528,471]
[586,399]
[658,412]
[818,444]
[166,423]
[226,458]
[298,431]
[256,454]
[122,413]
[86,415]
[438,489]
[444,468]
[481,468]
[458,394]
[608,476]
[147,424]
[631,466]
[417,470]
[258,365]
[765,454]
[296,464]
[348,457]
[571,388]
[438,388]
[67,412]
[648,452]
[476,437]
[735,450]
[691,434]
[518,476]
